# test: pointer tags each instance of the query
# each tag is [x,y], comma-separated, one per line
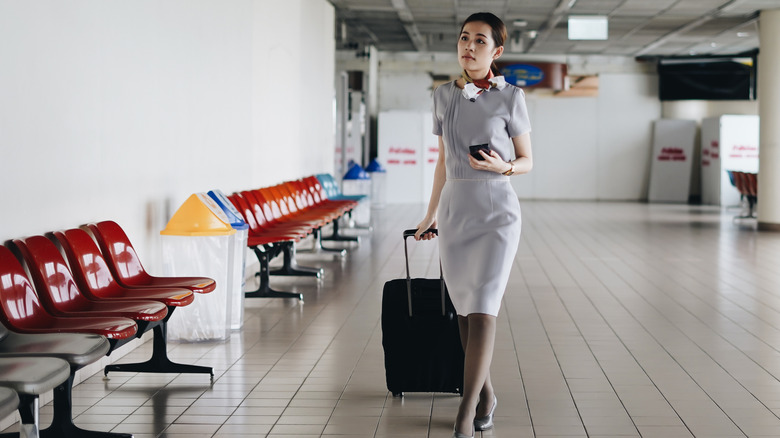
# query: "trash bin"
[378,176]
[357,182]
[198,241]
[239,257]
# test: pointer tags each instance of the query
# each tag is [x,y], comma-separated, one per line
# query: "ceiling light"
[588,27]
[531,33]
[520,23]
[743,34]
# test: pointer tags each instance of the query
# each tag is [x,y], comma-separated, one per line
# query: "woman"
[473,204]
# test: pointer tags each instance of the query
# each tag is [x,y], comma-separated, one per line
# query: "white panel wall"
[564,139]
[119,110]
[627,106]
[593,148]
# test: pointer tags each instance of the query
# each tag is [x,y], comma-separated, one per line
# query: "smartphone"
[474,151]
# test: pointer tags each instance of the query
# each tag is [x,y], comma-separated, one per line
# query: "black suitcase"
[420,335]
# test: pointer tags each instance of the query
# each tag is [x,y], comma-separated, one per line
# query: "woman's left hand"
[492,162]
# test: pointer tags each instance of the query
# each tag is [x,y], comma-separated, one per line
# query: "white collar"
[471,91]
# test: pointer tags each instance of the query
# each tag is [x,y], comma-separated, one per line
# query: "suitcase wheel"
[398,394]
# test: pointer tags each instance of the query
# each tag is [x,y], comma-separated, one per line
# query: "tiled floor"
[620,320]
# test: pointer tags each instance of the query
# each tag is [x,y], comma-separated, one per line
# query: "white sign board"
[728,143]
[408,150]
[670,177]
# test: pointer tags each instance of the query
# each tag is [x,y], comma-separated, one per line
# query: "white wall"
[593,148]
[402,91]
[121,110]
[292,95]
[627,106]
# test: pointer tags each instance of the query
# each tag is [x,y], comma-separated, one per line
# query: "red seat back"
[272,195]
[286,197]
[742,184]
[315,188]
[269,203]
[92,273]
[53,279]
[122,260]
[752,179]
[126,268]
[307,199]
[262,207]
[247,214]
[18,301]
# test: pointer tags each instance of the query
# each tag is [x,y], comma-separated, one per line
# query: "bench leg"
[354,226]
[62,423]
[159,362]
[28,413]
[291,267]
[317,247]
[265,291]
[336,237]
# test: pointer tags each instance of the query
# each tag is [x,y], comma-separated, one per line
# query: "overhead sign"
[535,75]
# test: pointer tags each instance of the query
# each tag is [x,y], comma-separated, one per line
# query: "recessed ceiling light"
[520,23]
[588,27]
[743,34]
[713,44]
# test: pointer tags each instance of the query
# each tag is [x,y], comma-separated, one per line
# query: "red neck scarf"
[480,83]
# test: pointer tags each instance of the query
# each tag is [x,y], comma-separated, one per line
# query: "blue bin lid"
[356,172]
[236,221]
[374,166]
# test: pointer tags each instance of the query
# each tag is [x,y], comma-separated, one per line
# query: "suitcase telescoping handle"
[408,234]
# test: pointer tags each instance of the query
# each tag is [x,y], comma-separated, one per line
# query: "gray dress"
[479,213]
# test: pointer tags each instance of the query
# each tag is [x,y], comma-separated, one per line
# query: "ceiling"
[636,27]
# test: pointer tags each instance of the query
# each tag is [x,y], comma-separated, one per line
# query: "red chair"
[280,222]
[79,341]
[266,245]
[60,297]
[274,214]
[264,216]
[96,281]
[305,202]
[316,189]
[126,267]
[290,209]
[747,185]
[321,197]
[23,313]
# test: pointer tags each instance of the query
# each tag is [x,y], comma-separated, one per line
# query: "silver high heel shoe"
[486,423]
[456,434]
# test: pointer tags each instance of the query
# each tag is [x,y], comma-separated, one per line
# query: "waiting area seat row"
[86,295]
[71,297]
[747,185]
[282,215]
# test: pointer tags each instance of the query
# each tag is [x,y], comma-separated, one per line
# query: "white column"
[769,112]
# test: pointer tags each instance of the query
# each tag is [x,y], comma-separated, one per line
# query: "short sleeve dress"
[479,213]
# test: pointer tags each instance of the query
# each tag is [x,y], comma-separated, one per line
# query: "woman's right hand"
[422,227]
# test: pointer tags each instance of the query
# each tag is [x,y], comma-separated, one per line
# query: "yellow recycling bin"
[198,241]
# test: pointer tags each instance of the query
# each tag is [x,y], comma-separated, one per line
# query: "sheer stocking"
[478,335]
